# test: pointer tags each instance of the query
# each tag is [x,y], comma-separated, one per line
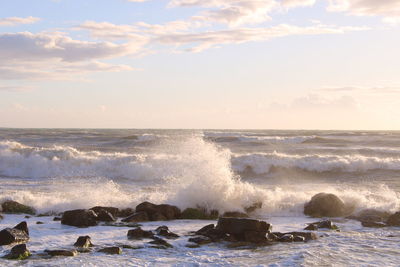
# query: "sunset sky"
[268,64]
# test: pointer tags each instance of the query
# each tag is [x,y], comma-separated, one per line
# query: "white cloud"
[11,88]
[12,21]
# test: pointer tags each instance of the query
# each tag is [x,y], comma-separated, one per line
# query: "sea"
[55,170]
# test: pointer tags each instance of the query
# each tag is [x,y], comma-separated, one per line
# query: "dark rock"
[370,215]
[327,224]
[158,217]
[38,222]
[57,219]
[373,224]
[1,217]
[139,233]
[160,242]
[105,216]
[325,205]
[10,206]
[311,227]
[18,234]
[199,214]
[83,242]
[286,238]
[19,252]
[255,206]
[201,240]
[394,220]
[111,250]
[238,226]
[125,212]
[190,245]
[28,217]
[62,252]
[272,237]
[140,216]
[168,212]
[255,237]
[164,231]
[235,214]
[113,211]
[307,235]
[79,218]
[205,229]
[299,238]
[121,224]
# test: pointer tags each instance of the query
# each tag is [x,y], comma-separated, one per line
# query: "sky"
[221,64]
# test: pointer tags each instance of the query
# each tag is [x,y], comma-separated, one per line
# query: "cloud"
[15,88]
[297,3]
[12,21]
[314,101]
[364,89]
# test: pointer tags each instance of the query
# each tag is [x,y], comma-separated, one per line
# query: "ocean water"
[60,169]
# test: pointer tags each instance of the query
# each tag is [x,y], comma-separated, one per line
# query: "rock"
[205,229]
[137,217]
[39,222]
[190,245]
[62,252]
[286,238]
[160,242]
[394,220]
[307,235]
[1,217]
[19,252]
[311,227]
[199,214]
[111,250]
[325,205]
[83,242]
[79,218]
[272,237]
[235,214]
[113,211]
[255,237]
[169,211]
[201,240]
[327,224]
[252,208]
[125,212]
[237,227]
[139,233]
[164,231]
[158,217]
[370,215]
[18,234]
[299,238]
[373,224]
[159,212]
[10,206]
[28,217]
[105,216]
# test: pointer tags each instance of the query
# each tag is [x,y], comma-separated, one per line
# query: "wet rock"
[299,238]
[79,218]
[161,243]
[11,206]
[121,224]
[27,217]
[1,217]
[125,212]
[39,222]
[199,214]
[62,252]
[241,244]
[273,237]
[201,240]
[111,250]
[205,229]
[57,219]
[237,227]
[311,227]
[139,233]
[373,224]
[164,231]
[394,220]
[105,216]
[137,217]
[113,211]
[190,245]
[157,212]
[286,238]
[325,224]
[307,235]
[19,252]
[255,237]
[370,215]
[235,214]
[325,205]
[18,234]
[83,242]
[254,207]
[158,217]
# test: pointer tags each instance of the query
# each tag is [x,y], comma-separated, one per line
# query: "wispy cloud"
[13,21]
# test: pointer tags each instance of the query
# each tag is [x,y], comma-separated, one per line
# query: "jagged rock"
[137,217]
[62,252]
[11,206]
[125,212]
[18,234]
[394,220]
[201,240]
[325,205]
[19,252]
[164,231]
[255,206]
[139,233]
[113,211]
[166,211]
[235,214]
[105,216]
[111,250]
[373,224]
[237,227]
[79,218]
[161,243]
[83,242]
[199,214]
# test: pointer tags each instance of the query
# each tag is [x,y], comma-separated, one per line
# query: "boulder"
[394,220]
[18,234]
[325,205]
[157,216]
[105,216]
[111,250]
[140,216]
[113,211]
[237,227]
[159,212]
[139,233]
[62,252]
[235,214]
[83,242]
[79,218]
[11,206]
[164,231]
[19,252]
[199,214]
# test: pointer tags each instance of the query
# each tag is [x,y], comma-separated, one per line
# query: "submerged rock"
[19,252]
[111,250]
[325,205]
[11,206]
[18,234]
[62,252]
[83,242]
[79,218]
